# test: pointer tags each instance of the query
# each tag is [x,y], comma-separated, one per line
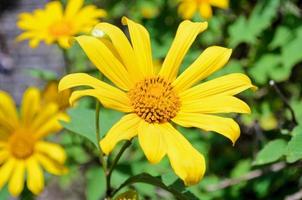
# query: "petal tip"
[104,147]
[124,20]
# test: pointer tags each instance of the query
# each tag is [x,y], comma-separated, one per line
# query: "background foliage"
[265,163]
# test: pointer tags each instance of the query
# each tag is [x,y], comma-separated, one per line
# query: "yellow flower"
[53,24]
[148,11]
[153,100]
[187,8]
[50,94]
[22,150]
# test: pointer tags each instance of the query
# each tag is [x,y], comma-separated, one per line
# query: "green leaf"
[242,167]
[78,154]
[95,179]
[291,52]
[271,152]
[42,74]
[294,148]
[247,30]
[128,195]
[269,67]
[82,122]
[177,189]
[281,37]
[4,193]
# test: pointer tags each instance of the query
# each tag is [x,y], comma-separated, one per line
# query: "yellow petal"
[87,17]
[80,79]
[105,61]
[211,60]
[185,36]
[4,155]
[151,140]
[3,144]
[35,178]
[33,43]
[7,127]
[54,10]
[64,42]
[53,151]
[48,111]
[107,101]
[220,3]
[124,49]
[30,105]
[4,134]
[230,84]
[205,10]
[125,129]
[224,126]
[16,182]
[140,40]
[185,160]
[215,104]
[109,96]
[8,110]
[6,170]
[52,125]
[51,165]
[73,6]
[187,9]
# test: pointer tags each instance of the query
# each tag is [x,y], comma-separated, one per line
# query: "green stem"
[115,161]
[67,61]
[97,133]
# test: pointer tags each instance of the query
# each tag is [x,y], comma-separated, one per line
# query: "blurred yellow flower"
[22,150]
[149,12]
[187,8]
[153,100]
[53,24]
[50,94]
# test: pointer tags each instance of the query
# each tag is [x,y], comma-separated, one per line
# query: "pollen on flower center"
[21,145]
[61,28]
[154,100]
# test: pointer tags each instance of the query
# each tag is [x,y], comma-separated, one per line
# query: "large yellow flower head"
[188,8]
[53,24]
[22,149]
[153,100]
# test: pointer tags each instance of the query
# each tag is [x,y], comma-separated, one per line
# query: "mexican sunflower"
[23,153]
[55,24]
[153,101]
[50,94]
[188,8]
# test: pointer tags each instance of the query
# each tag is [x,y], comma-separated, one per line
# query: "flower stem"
[115,161]
[67,61]
[98,138]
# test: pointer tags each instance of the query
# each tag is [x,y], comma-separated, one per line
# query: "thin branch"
[285,101]
[115,161]
[249,176]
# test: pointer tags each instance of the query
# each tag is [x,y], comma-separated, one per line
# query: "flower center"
[21,145]
[61,28]
[154,100]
